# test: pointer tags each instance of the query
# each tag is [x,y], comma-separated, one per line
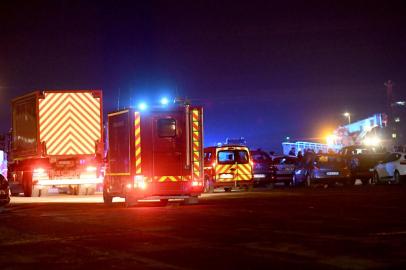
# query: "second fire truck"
[155,154]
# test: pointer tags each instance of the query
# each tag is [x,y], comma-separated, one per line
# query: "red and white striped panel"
[70,123]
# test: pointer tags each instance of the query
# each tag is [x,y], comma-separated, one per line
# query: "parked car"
[362,160]
[262,170]
[391,170]
[283,168]
[4,191]
[321,169]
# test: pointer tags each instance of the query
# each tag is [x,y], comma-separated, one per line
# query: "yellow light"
[91,168]
[196,183]
[139,182]
[372,141]
[39,170]
[226,176]
[330,139]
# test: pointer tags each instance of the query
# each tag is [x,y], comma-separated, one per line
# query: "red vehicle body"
[57,141]
[155,154]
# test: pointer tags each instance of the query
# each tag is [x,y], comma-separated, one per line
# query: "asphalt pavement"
[362,227]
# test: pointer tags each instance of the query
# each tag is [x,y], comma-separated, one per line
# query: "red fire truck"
[155,154]
[56,142]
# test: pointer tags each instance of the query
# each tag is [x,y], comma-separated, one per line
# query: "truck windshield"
[233,156]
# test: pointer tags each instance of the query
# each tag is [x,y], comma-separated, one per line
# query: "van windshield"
[233,156]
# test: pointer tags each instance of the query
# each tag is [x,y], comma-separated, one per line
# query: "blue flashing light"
[142,106]
[164,101]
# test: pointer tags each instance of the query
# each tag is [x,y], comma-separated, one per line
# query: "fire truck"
[155,154]
[56,142]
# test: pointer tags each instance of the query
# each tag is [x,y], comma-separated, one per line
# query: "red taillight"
[197,184]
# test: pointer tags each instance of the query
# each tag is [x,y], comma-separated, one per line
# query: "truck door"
[244,171]
[169,146]
[119,148]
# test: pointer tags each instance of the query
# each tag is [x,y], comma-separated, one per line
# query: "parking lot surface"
[362,227]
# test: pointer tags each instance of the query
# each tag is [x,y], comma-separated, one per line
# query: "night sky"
[261,70]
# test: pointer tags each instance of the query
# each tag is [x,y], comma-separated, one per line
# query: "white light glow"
[164,101]
[372,141]
[142,106]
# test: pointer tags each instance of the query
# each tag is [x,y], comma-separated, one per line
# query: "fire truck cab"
[155,154]
[228,167]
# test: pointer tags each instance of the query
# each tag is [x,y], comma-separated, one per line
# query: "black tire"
[294,181]
[365,181]
[27,184]
[208,186]
[308,181]
[288,183]
[375,178]
[227,189]
[107,199]
[396,177]
[349,182]
[163,202]
[250,187]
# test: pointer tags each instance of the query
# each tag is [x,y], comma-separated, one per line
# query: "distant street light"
[348,115]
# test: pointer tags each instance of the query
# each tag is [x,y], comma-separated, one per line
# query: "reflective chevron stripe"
[171,178]
[241,172]
[244,172]
[196,144]
[223,168]
[137,128]
[70,122]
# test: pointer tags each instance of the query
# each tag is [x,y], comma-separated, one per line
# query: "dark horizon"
[278,70]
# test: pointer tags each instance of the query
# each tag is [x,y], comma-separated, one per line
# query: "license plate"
[259,175]
[332,173]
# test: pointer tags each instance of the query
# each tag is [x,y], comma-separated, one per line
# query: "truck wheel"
[163,202]
[130,201]
[85,190]
[287,183]
[36,192]
[227,189]
[396,177]
[27,184]
[192,200]
[107,199]
[375,179]
[208,186]
[365,181]
[350,182]
[308,181]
